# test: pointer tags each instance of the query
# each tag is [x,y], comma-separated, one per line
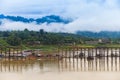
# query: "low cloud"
[11,25]
[77,25]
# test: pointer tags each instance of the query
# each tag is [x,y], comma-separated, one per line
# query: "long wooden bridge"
[63,52]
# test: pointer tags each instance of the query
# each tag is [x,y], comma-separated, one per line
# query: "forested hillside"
[25,37]
[102,34]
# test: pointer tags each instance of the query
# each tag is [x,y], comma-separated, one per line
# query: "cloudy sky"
[87,15]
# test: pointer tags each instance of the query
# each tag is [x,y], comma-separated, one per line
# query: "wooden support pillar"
[22,56]
[5,53]
[107,52]
[111,52]
[73,52]
[100,51]
[9,51]
[92,52]
[84,52]
[95,52]
[58,52]
[88,52]
[1,52]
[77,55]
[17,54]
[119,52]
[63,53]
[66,52]
[69,50]
[13,53]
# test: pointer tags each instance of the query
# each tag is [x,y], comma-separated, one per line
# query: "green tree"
[13,40]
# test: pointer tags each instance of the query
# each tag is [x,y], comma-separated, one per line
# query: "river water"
[64,69]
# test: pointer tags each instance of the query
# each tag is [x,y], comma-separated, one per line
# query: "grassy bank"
[99,45]
[43,48]
[55,47]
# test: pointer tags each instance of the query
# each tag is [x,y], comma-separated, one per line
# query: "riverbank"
[54,48]
[99,45]
[43,48]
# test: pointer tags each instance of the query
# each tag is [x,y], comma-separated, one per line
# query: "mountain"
[102,34]
[46,19]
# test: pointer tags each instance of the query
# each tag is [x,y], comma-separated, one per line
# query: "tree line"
[16,38]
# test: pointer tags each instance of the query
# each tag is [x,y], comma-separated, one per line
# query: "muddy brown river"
[64,69]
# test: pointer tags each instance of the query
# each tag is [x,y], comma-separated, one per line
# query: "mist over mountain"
[51,23]
[46,19]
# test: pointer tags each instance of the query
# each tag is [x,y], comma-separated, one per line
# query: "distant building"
[99,41]
[104,41]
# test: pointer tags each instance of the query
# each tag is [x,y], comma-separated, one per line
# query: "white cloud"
[91,24]
[93,15]
[10,25]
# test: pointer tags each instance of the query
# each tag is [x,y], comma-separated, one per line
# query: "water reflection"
[27,65]
[83,64]
[66,64]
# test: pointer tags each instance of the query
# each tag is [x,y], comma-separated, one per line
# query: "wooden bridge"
[63,52]
[89,52]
